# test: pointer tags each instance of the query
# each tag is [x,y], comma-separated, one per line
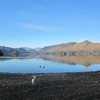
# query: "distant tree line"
[61,53]
[78,53]
[15,53]
[1,53]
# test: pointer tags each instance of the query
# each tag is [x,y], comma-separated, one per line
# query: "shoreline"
[49,73]
[59,86]
[18,57]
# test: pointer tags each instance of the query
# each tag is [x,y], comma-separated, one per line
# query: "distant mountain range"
[85,45]
[84,48]
[7,50]
[73,46]
[25,50]
[58,47]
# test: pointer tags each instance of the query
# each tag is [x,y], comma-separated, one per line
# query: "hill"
[73,46]
[58,47]
[74,49]
[8,50]
[85,45]
[26,50]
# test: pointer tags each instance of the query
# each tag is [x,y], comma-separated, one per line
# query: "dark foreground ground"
[76,86]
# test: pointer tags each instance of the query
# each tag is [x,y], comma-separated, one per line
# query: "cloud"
[38,27]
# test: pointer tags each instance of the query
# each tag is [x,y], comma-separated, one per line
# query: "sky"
[39,23]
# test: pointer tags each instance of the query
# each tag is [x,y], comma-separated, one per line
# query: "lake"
[51,64]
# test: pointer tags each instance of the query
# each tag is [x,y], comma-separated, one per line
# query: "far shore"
[17,57]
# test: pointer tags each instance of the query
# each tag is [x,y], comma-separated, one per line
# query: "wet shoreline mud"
[65,86]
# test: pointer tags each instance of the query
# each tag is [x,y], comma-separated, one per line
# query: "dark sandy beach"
[66,86]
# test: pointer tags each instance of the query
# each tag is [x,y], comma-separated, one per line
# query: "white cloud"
[35,27]
[38,27]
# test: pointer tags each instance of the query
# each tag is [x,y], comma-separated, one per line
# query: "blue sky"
[38,23]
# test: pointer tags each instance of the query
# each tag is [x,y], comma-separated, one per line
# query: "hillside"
[73,46]
[85,45]
[58,47]
[25,50]
[7,50]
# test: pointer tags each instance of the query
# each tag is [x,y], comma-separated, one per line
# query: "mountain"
[85,45]
[8,50]
[26,50]
[72,46]
[85,48]
[58,47]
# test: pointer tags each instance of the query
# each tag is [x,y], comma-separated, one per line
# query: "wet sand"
[66,86]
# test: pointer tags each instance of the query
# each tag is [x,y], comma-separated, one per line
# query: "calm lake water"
[50,64]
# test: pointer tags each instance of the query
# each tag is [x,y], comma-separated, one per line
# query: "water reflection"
[21,55]
[2,59]
[73,60]
[50,64]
